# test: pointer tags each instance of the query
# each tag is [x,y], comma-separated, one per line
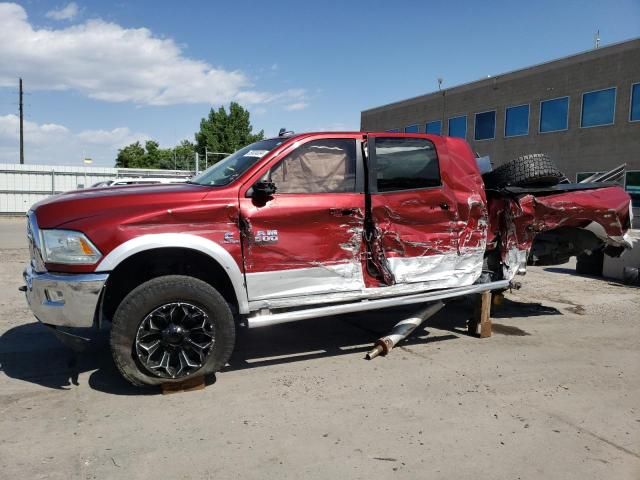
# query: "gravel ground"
[554,393]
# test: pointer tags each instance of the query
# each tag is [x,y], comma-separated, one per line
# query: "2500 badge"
[266,236]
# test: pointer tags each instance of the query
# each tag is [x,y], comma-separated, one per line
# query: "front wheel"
[171,328]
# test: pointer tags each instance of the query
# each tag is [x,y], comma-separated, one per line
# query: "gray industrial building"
[583,111]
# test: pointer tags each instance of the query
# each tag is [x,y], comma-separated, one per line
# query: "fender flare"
[181,240]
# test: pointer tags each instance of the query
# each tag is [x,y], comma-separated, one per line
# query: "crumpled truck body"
[300,251]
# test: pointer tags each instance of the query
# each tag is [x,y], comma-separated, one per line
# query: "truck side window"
[320,166]
[406,164]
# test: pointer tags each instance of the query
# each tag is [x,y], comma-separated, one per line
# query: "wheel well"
[157,262]
[556,246]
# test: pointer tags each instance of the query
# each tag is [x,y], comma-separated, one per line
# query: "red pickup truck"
[295,227]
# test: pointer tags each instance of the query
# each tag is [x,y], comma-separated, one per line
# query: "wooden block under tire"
[189,385]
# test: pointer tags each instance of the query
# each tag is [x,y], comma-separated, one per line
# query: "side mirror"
[264,189]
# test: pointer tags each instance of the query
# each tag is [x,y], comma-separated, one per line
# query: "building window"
[434,127]
[516,121]
[580,176]
[634,114]
[554,115]
[598,108]
[458,126]
[411,129]
[393,130]
[485,127]
[632,186]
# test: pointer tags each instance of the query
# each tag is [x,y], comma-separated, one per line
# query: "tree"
[222,132]
[131,156]
[152,156]
[184,156]
[219,132]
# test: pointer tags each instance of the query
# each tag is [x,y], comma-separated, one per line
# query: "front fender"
[181,240]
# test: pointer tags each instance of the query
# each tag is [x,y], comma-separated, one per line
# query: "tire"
[171,309]
[534,170]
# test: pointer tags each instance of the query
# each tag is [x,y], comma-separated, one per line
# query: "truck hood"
[58,210]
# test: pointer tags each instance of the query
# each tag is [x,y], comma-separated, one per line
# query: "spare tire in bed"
[533,170]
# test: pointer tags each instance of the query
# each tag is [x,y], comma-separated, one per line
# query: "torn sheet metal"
[515,222]
[305,281]
[436,234]
[443,271]
[319,244]
[514,262]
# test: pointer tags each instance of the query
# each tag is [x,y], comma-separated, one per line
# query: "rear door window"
[406,164]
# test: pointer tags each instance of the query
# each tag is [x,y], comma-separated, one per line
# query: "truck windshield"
[227,170]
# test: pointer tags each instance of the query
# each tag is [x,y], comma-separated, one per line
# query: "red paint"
[325,229]
[312,230]
[517,221]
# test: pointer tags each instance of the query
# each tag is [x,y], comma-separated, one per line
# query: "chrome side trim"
[75,297]
[276,318]
[180,240]
[35,242]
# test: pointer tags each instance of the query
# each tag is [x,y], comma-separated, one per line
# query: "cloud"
[65,13]
[106,61]
[296,106]
[51,143]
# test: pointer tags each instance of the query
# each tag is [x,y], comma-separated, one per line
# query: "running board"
[268,319]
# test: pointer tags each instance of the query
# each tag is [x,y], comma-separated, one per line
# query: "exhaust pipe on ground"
[402,330]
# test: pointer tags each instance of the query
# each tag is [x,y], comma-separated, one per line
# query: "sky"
[100,75]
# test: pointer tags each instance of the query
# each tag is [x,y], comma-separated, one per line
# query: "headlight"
[67,246]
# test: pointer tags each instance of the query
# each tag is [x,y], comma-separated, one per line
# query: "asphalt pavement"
[554,393]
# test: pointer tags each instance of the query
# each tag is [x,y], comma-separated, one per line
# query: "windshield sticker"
[256,153]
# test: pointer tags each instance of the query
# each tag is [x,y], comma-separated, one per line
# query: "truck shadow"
[31,352]
[513,308]
[325,337]
[572,272]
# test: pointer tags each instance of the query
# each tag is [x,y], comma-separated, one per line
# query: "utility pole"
[21,126]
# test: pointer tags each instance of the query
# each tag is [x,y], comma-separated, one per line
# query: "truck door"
[415,215]
[306,238]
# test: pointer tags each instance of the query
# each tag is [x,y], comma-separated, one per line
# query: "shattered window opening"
[406,164]
[321,166]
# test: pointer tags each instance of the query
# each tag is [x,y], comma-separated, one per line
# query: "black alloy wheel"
[171,328]
[174,340]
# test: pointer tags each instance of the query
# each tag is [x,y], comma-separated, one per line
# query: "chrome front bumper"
[64,300]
